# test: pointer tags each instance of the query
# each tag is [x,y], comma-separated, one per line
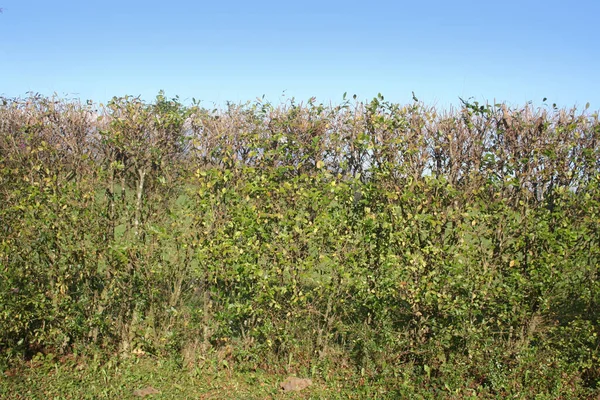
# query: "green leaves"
[372,236]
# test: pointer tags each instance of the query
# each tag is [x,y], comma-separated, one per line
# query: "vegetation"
[381,247]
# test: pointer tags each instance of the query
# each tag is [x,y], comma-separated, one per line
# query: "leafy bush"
[456,249]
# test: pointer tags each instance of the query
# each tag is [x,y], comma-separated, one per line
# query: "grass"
[79,378]
[72,377]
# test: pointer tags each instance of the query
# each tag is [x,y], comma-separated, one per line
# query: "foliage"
[456,250]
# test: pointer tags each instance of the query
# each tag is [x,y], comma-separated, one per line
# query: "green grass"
[72,378]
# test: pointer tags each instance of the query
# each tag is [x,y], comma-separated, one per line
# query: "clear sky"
[217,51]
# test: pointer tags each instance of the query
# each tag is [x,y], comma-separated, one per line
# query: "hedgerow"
[457,250]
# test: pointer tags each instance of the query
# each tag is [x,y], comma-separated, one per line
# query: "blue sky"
[513,51]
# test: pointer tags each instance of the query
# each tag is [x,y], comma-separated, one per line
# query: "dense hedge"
[458,250]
